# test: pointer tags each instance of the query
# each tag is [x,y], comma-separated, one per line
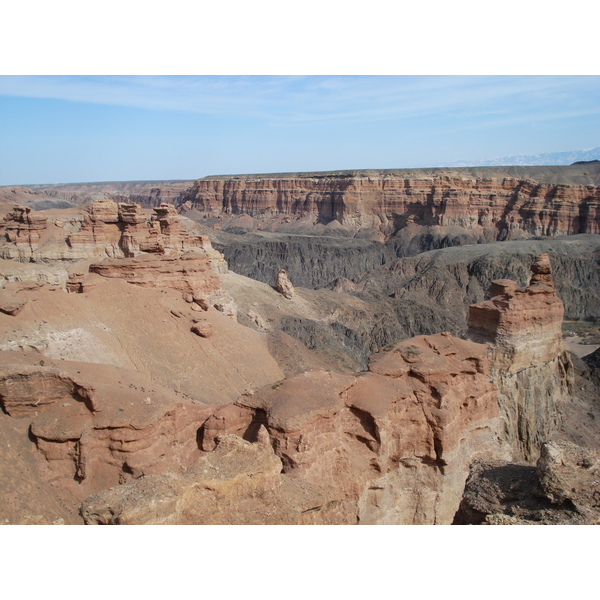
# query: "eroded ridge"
[391,445]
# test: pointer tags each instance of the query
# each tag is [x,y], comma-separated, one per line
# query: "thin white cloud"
[299,100]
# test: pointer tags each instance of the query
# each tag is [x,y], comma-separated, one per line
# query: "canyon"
[376,347]
[491,205]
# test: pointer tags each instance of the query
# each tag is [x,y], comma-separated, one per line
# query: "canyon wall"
[494,208]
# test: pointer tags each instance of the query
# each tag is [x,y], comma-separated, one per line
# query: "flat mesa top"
[140,182]
[586,174]
[576,174]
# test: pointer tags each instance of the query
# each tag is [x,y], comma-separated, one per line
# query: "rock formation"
[188,273]
[283,285]
[108,230]
[125,229]
[239,483]
[562,490]
[24,228]
[152,253]
[98,426]
[392,445]
[99,230]
[523,328]
[133,399]
[497,207]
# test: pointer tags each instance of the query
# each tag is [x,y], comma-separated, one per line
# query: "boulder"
[283,285]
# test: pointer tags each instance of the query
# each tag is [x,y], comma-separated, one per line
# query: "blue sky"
[57,129]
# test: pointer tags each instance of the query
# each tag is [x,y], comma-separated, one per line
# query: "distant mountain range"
[545,159]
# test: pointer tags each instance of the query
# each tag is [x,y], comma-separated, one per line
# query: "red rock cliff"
[391,445]
[386,200]
[523,328]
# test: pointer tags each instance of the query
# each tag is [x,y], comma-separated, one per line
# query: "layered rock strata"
[108,230]
[523,325]
[523,328]
[392,445]
[126,230]
[23,227]
[237,483]
[188,273]
[191,273]
[96,427]
[386,201]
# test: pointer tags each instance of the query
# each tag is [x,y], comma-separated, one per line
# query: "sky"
[58,129]
[185,90]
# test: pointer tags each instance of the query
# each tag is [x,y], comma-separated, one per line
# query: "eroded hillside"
[141,381]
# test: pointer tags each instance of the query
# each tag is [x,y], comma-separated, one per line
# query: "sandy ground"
[573,344]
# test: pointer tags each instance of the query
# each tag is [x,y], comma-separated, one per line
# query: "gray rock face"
[355,334]
[531,403]
[411,296]
[454,278]
[310,262]
[446,268]
[593,363]
[562,489]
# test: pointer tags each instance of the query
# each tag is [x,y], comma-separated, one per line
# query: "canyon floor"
[156,369]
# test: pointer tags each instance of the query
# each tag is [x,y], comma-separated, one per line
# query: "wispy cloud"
[299,100]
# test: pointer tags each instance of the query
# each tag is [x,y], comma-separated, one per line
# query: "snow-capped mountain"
[547,158]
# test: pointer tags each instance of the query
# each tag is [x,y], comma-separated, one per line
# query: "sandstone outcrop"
[123,230]
[189,273]
[239,483]
[24,227]
[392,445]
[108,230]
[497,207]
[157,253]
[99,231]
[235,484]
[152,253]
[283,285]
[570,475]
[98,426]
[523,328]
